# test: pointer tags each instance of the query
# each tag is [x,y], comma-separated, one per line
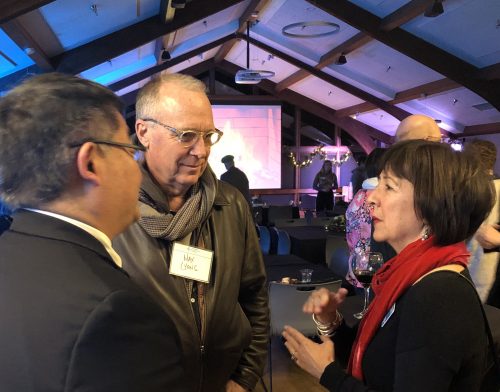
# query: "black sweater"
[434,341]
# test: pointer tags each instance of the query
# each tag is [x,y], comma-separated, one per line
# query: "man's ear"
[87,164]
[143,135]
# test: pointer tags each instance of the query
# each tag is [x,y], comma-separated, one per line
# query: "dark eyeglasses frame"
[107,143]
[180,134]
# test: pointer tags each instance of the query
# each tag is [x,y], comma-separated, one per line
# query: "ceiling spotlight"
[165,55]
[435,9]
[341,60]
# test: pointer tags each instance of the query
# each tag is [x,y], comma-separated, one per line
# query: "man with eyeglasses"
[72,320]
[194,247]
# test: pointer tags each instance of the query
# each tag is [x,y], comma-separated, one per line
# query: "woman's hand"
[324,304]
[310,356]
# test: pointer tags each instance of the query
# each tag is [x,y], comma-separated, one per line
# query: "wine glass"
[364,265]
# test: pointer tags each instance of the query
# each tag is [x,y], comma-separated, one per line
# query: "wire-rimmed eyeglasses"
[189,137]
[130,149]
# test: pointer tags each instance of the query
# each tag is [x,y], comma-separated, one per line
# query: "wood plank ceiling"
[397,62]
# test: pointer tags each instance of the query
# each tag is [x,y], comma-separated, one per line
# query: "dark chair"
[308,214]
[264,239]
[337,255]
[273,232]
[284,243]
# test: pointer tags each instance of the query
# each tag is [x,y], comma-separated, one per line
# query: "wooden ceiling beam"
[404,14]
[362,133]
[398,113]
[351,44]
[480,129]
[397,18]
[414,47]
[167,64]
[254,6]
[195,70]
[489,73]
[17,33]
[425,90]
[10,9]
[115,44]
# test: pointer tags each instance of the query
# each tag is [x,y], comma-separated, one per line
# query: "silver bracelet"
[330,328]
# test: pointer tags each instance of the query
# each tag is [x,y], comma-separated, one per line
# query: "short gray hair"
[38,121]
[147,99]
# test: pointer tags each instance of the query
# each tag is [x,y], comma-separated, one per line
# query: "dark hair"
[452,193]
[372,164]
[38,120]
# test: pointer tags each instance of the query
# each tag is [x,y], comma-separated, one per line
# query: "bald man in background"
[418,126]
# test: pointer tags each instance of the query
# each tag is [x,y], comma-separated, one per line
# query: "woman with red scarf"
[424,330]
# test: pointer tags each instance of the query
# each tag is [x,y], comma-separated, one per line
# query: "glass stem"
[367,298]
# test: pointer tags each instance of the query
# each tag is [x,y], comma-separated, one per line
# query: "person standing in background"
[483,265]
[358,175]
[418,127]
[235,177]
[325,182]
[358,219]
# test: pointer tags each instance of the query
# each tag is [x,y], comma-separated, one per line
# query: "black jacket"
[234,341]
[74,321]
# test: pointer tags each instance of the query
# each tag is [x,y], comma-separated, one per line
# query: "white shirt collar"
[97,234]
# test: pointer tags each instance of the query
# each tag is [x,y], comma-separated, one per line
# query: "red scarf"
[392,280]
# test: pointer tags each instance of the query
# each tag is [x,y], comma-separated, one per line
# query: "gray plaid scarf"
[156,217]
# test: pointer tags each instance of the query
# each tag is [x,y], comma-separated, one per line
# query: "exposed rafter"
[398,17]
[10,9]
[409,11]
[351,44]
[167,64]
[422,91]
[400,114]
[254,6]
[489,73]
[167,13]
[132,37]
[414,47]
[362,133]
[17,33]
[195,70]
[481,129]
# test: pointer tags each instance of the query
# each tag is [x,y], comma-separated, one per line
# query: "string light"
[318,151]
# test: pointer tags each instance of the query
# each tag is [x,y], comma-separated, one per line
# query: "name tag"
[388,315]
[191,262]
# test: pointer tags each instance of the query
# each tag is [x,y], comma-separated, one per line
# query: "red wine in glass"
[364,277]
[364,266]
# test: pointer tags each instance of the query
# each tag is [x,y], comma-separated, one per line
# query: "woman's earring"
[426,234]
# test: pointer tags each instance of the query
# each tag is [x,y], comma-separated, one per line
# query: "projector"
[246,76]
[249,76]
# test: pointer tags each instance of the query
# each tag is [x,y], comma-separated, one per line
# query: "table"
[279,266]
[309,242]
